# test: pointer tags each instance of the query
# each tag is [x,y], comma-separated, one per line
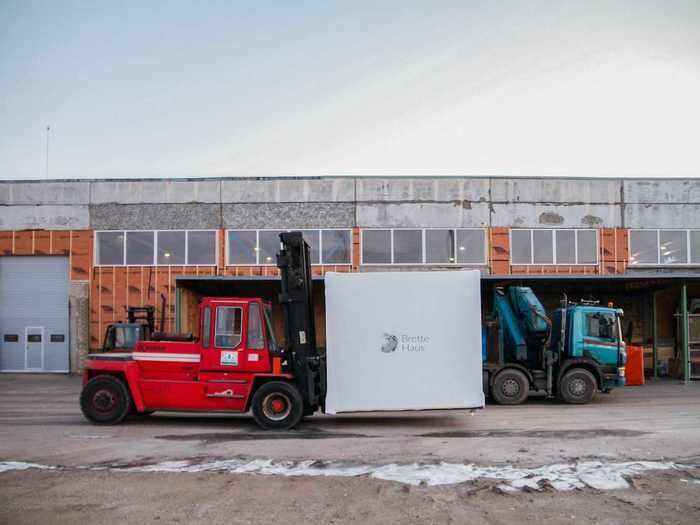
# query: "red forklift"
[235,364]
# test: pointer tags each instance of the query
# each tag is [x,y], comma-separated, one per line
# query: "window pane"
[241,247]
[255,329]
[336,246]
[139,247]
[439,246]
[471,246]
[643,247]
[408,246]
[566,247]
[171,247]
[520,245]
[228,327]
[695,246]
[542,252]
[269,246]
[600,325]
[376,246]
[201,247]
[674,247]
[110,248]
[587,247]
[206,327]
[312,239]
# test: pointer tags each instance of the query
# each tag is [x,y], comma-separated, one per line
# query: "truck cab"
[595,336]
[572,353]
[234,365]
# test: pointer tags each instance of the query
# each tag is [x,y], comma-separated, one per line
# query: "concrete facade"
[349,202]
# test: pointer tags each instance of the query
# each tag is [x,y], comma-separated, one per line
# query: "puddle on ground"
[219,437]
[542,434]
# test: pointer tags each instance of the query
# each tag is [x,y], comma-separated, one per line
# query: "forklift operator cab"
[236,335]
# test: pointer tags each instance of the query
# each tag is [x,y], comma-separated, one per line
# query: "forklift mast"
[300,352]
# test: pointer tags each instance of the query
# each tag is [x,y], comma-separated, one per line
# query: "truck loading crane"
[573,354]
[235,364]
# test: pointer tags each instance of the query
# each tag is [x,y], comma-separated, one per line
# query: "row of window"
[419,246]
[568,247]
[664,247]
[424,246]
[260,247]
[167,247]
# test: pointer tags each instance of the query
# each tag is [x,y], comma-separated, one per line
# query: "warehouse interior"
[652,306]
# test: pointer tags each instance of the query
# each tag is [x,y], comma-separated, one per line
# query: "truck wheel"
[105,400]
[510,387]
[578,386]
[277,405]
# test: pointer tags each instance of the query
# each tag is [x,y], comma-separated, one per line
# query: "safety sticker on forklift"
[229,358]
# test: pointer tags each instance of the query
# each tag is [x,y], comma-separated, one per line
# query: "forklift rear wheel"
[105,400]
[277,405]
[578,386]
[510,387]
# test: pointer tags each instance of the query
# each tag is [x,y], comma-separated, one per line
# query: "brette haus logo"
[404,343]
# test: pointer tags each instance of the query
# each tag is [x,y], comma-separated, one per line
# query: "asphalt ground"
[41,423]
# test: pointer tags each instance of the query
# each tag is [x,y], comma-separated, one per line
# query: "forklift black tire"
[277,406]
[105,400]
[510,387]
[578,386]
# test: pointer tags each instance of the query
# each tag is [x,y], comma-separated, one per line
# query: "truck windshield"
[269,331]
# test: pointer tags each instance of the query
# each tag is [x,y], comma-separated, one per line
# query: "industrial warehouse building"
[75,253]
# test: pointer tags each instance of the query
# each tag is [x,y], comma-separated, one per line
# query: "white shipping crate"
[403,341]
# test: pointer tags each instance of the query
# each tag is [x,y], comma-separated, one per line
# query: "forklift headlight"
[621,371]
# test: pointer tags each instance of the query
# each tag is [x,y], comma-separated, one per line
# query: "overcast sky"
[264,88]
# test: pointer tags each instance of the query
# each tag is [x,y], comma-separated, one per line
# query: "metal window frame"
[217,307]
[658,263]
[155,248]
[257,231]
[554,246]
[424,248]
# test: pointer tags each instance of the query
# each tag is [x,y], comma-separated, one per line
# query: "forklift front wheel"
[277,406]
[105,400]
[510,387]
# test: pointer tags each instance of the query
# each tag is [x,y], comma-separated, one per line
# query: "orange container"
[634,369]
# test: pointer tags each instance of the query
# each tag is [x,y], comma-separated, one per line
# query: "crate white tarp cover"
[403,341]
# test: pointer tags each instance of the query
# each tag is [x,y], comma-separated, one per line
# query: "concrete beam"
[289,215]
[556,215]
[79,323]
[44,217]
[662,191]
[662,215]
[155,216]
[288,190]
[395,189]
[556,190]
[40,192]
[155,192]
[428,215]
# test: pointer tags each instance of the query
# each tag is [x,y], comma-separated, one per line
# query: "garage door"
[34,314]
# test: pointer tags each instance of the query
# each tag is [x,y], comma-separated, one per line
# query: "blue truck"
[571,354]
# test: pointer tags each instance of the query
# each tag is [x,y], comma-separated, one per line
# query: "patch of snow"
[562,477]
[558,476]
[6,466]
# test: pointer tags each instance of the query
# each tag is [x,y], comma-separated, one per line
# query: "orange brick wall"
[76,244]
